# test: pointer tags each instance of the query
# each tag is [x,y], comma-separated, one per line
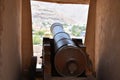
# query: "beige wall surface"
[103,38]
[108,39]
[15,37]
[9,39]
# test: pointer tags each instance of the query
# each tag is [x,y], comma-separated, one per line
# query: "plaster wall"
[103,38]
[107,51]
[9,39]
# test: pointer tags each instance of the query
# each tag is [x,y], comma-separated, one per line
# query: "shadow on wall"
[108,39]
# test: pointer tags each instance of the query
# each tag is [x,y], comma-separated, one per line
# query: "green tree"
[40,33]
[76,30]
[36,40]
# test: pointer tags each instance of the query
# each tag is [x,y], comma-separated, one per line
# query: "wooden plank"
[26,46]
[68,1]
[90,32]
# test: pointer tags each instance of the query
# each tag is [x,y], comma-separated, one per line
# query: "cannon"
[69,59]
[64,58]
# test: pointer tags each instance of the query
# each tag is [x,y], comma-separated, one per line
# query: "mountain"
[47,13]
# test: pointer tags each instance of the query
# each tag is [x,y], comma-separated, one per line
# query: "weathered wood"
[90,32]
[26,36]
[68,1]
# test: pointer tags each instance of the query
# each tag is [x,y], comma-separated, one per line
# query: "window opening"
[44,14]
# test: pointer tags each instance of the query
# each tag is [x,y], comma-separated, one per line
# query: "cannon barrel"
[61,38]
[69,59]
